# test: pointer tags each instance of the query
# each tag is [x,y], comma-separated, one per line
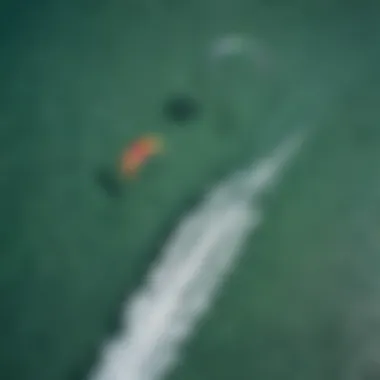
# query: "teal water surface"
[80,80]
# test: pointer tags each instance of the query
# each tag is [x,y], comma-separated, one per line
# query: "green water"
[79,81]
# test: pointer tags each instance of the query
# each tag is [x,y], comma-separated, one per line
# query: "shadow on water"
[108,181]
[181,108]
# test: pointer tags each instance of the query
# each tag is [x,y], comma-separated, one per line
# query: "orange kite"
[137,154]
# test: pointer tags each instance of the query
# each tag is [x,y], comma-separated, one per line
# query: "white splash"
[232,45]
[183,283]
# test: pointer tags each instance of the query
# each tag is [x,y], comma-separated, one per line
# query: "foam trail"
[183,283]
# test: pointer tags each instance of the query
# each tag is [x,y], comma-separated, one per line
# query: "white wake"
[183,283]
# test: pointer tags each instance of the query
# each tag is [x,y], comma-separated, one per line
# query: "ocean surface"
[290,271]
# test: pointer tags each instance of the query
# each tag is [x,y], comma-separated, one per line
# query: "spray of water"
[183,283]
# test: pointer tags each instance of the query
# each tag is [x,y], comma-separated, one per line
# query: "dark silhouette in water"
[181,108]
[108,181]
